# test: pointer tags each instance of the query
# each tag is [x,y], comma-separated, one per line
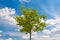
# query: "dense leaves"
[30,20]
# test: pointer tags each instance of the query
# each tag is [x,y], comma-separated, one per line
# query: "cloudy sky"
[11,8]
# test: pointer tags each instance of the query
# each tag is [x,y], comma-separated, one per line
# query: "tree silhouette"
[30,20]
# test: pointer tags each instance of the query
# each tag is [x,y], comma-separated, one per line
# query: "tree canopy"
[31,20]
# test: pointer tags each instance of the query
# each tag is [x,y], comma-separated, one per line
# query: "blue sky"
[10,8]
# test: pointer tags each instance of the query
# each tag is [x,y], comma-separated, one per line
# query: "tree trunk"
[30,35]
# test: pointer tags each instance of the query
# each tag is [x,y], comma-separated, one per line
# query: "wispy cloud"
[22,1]
[52,22]
[9,39]
[1,31]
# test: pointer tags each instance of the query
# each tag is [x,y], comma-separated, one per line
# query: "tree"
[30,21]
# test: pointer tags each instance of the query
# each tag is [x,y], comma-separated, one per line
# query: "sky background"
[11,8]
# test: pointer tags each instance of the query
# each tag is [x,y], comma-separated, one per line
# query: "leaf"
[21,30]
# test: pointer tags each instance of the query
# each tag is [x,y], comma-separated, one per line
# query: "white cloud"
[13,34]
[9,39]
[36,37]
[54,30]
[54,22]
[56,37]
[6,39]
[24,1]
[46,31]
[6,16]
[26,36]
[45,38]
[51,22]
[0,35]
[1,31]
[1,39]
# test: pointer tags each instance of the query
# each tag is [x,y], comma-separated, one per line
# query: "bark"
[30,35]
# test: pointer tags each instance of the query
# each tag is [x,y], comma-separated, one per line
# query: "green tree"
[30,21]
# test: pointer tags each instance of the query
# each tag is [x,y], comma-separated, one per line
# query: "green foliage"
[29,18]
